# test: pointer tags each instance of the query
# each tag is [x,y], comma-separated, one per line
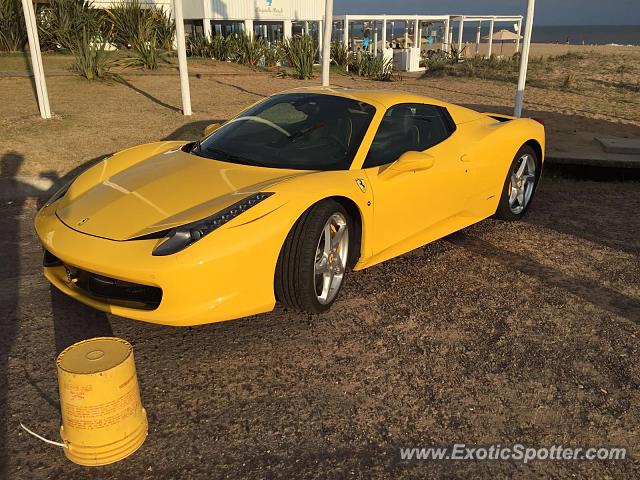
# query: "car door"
[412,207]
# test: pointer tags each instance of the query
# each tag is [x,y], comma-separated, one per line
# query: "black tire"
[504,211]
[294,281]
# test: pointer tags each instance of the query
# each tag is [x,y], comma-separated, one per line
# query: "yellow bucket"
[102,417]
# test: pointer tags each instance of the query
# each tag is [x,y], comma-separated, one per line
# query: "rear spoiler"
[506,118]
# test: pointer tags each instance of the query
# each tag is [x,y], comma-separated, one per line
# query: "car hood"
[163,192]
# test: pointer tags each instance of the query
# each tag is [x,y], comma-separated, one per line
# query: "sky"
[548,12]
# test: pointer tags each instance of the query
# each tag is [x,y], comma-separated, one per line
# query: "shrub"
[63,23]
[246,49]
[300,52]
[372,66]
[339,54]
[198,46]
[92,60]
[273,54]
[13,35]
[147,31]
[165,28]
[220,48]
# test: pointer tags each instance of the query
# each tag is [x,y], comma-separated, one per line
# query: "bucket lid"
[94,355]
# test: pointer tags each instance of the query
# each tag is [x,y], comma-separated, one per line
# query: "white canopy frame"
[492,19]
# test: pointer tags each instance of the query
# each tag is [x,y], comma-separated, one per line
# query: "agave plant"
[63,23]
[339,54]
[273,55]
[126,19]
[165,28]
[198,46]
[246,49]
[300,52]
[92,60]
[13,35]
[219,48]
[146,30]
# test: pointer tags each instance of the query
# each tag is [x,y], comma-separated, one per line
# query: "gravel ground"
[524,332]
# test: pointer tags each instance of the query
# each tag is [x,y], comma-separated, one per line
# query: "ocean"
[591,35]
[575,34]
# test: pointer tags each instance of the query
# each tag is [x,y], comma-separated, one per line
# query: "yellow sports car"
[280,202]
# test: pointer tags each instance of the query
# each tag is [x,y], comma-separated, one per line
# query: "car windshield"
[299,131]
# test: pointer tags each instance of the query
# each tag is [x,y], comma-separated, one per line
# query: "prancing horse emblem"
[361,184]
[83,221]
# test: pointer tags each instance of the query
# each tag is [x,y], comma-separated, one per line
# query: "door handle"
[465,158]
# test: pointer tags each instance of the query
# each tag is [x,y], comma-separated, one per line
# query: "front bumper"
[226,275]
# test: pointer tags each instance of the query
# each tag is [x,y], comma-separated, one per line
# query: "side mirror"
[410,161]
[209,129]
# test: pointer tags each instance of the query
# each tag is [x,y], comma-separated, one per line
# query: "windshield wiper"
[230,157]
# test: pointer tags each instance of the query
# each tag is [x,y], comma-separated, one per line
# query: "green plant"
[63,23]
[273,54]
[165,28]
[13,34]
[300,53]
[146,55]
[92,60]
[220,48]
[198,46]
[372,66]
[246,49]
[339,54]
[147,31]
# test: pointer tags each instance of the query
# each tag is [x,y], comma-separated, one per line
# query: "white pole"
[326,41]
[478,36]
[519,34]
[182,58]
[384,35]
[524,60]
[406,34]
[417,38]
[320,41]
[445,37]
[375,41]
[461,28]
[36,59]
[490,38]
[345,36]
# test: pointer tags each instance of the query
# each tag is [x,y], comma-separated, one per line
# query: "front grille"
[117,292]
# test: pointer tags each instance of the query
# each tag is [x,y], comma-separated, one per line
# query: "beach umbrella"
[502,36]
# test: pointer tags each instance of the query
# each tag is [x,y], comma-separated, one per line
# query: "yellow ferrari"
[280,202]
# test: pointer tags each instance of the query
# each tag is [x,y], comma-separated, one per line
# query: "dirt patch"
[523,332]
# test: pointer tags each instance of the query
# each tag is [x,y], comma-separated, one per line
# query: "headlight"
[181,237]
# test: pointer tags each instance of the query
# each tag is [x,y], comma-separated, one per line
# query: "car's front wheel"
[520,185]
[314,258]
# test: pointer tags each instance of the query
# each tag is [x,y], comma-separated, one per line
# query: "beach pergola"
[384,20]
[492,19]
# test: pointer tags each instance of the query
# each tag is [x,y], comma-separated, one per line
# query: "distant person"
[567,41]
[365,43]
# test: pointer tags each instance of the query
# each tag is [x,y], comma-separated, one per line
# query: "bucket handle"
[46,440]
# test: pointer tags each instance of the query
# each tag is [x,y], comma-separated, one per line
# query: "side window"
[406,127]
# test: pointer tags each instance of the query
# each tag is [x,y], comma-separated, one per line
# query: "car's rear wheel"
[314,258]
[520,185]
